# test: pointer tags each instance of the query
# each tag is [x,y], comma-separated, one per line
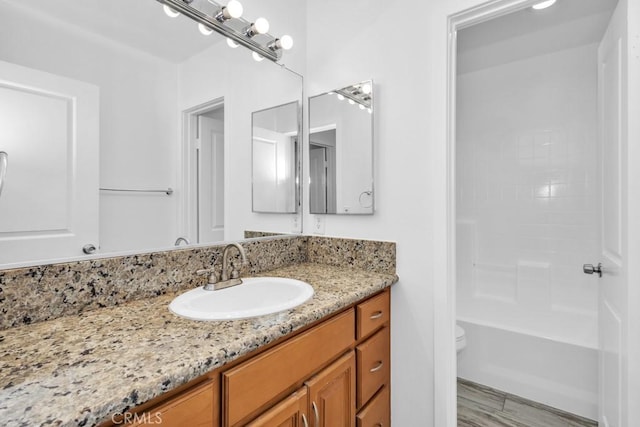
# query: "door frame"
[188,197]
[445,357]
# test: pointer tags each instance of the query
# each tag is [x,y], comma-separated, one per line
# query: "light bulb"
[170,12]
[231,43]
[231,10]
[261,26]
[543,5]
[204,30]
[370,110]
[234,9]
[361,106]
[286,42]
[257,56]
[366,88]
[351,101]
[340,97]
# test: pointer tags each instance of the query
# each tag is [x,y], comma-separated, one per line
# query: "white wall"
[138,94]
[406,55]
[528,193]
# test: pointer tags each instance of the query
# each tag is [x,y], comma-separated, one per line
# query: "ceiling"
[528,33]
[140,24]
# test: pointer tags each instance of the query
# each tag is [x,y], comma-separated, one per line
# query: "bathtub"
[551,358]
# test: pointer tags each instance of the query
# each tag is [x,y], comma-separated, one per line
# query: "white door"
[615,82]
[49,129]
[211,180]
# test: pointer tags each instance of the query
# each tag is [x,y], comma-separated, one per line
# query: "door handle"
[590,269]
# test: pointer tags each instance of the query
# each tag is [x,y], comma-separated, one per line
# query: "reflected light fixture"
[227,21]
[543,5]
[205,31]
[359,94]
[170,12]
[257,57]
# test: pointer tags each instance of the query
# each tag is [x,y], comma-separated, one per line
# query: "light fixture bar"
[355,93]
[226,31]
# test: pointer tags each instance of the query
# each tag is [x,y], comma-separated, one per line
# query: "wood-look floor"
[481,406]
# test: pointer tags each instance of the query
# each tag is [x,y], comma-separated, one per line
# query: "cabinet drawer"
[251,386]
[194,408]
[373,360]
[372,314]
[377,413]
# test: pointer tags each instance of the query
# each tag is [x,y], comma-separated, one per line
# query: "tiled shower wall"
[528,183]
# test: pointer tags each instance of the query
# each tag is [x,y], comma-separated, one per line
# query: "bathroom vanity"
[136,361]
[334,373]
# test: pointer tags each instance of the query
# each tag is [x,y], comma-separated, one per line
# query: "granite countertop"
[80,369]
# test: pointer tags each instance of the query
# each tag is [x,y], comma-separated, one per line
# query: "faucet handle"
[213,276]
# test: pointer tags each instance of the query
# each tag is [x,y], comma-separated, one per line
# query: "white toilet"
[461,339]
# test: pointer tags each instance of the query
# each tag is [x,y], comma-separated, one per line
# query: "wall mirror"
[341,151]
[130,131]
[275,153]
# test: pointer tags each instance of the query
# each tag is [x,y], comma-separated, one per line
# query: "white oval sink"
[256,296]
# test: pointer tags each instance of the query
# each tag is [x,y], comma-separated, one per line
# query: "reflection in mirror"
[275,159]
[113,98]
[341,151]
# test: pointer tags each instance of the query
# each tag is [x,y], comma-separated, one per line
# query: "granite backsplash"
[44,292]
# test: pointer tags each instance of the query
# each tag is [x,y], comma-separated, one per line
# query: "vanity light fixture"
[227,21]
[543,5]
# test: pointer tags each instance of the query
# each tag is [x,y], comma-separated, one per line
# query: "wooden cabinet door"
[373,363]
[377,413]
[291,412]
[332,394]
[194,408]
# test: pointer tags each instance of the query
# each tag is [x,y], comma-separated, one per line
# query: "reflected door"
[49,128]
[211,180]
[318,178]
